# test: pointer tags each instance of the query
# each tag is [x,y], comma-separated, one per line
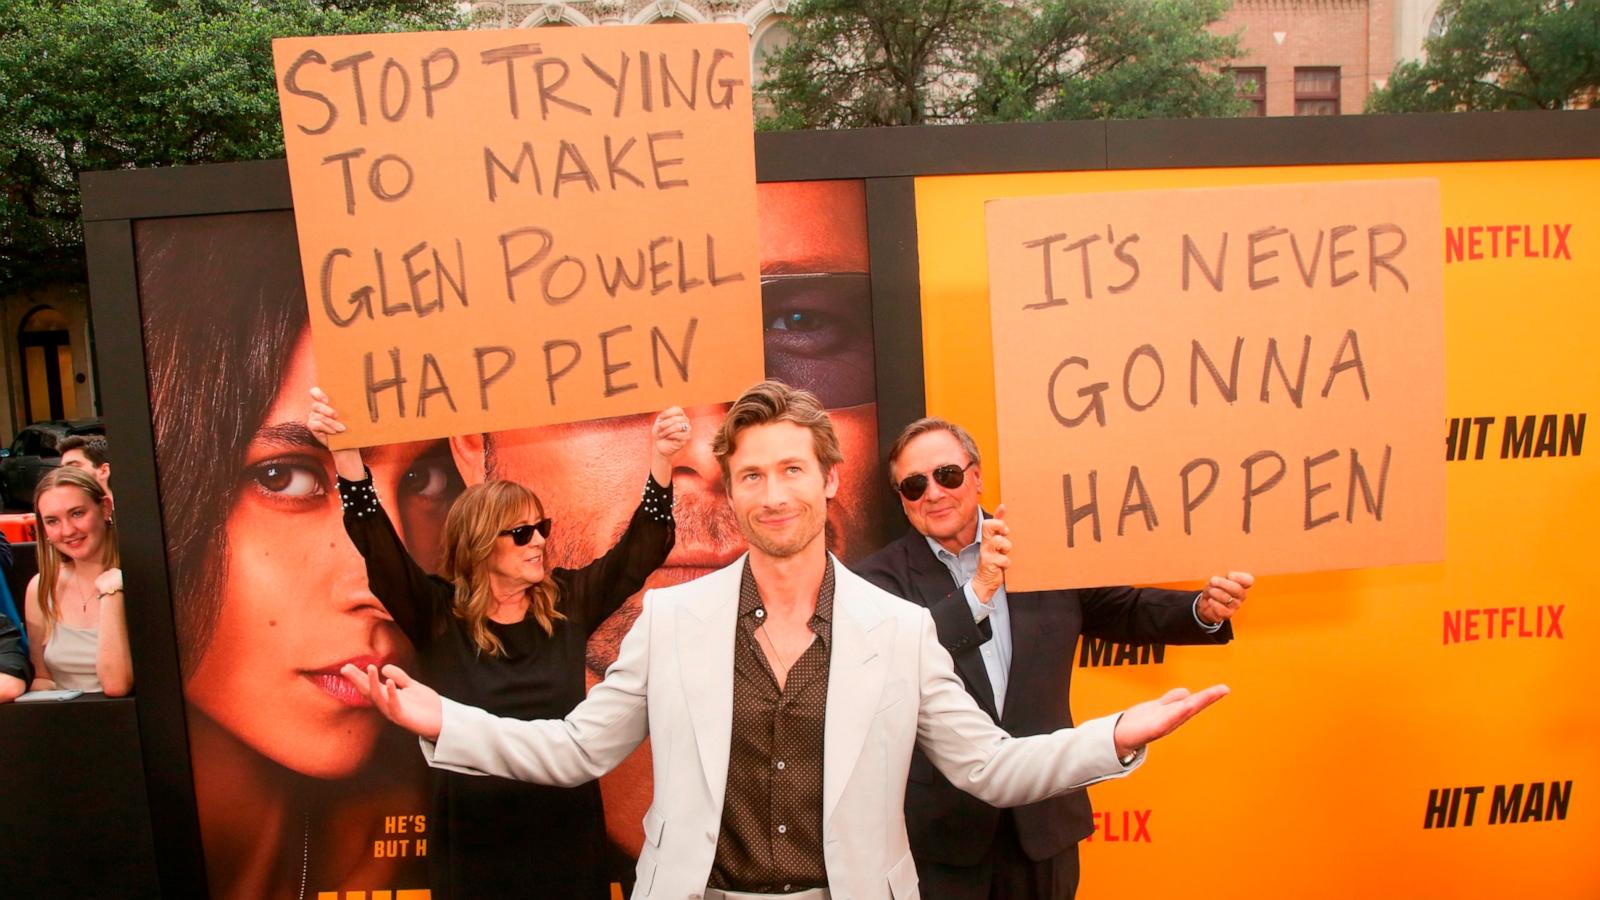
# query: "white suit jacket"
[890,685]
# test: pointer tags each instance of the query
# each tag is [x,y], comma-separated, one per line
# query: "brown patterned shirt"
[771,838]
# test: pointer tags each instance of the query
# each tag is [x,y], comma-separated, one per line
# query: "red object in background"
[18,527]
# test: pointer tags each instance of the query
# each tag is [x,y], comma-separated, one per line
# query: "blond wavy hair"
[471,529]
[51,560]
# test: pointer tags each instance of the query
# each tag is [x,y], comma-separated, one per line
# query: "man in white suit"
[783,696]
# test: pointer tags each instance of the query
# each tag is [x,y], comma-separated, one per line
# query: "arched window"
[44,345]
[551,15]
[769,34]
[1439,24]
[770,37]
[44,318]
[667,12]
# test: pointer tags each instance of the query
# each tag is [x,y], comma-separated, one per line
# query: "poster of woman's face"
[299,784]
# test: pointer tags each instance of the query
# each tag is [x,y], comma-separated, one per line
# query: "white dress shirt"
[996,650]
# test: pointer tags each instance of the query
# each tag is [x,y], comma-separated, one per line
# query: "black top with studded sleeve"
[491,837]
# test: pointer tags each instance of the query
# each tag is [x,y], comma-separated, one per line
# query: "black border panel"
[113,286]
[896,305]
[76,806]
[1351,140]
[1176,143]
[186,190]
[968,149]
[930,150]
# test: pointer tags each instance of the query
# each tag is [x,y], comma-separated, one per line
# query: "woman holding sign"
[504,631]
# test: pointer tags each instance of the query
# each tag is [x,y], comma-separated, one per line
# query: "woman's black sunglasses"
[522,534]
[949,476]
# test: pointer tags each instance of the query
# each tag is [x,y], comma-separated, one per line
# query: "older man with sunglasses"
[1014,654]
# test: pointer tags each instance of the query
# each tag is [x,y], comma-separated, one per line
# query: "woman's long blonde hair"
[50,559]
[470,531]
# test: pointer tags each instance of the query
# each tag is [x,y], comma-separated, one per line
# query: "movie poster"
[302,789]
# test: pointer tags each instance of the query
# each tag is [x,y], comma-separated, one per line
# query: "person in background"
[77,631]
[8,602]
[15,669]
[1014,654]
[92,454]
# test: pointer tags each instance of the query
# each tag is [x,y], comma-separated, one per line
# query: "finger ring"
[684,426]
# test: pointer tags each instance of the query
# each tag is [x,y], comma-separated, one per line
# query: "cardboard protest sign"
[512,228]
[1195,380]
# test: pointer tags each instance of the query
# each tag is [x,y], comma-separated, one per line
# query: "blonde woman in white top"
[77,632]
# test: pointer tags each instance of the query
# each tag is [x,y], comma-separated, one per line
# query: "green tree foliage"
[856,63]
[875,62]
[1110,59]
[104,84]
[1501,54]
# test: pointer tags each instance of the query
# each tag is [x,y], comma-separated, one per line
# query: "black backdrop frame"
[888,159]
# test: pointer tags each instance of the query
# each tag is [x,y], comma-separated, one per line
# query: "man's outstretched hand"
[410,704]
[1153,719]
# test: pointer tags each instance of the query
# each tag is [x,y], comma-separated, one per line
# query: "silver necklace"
[305,851]
[773,646]
[83,595]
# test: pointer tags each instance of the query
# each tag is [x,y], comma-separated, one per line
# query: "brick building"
[1323,57]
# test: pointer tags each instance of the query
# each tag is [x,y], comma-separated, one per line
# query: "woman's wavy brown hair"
[470,532]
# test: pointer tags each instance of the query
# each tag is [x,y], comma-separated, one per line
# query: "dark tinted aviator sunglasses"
[949,476]
[522,534]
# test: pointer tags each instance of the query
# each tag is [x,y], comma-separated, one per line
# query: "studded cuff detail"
[359,498]
[656,500]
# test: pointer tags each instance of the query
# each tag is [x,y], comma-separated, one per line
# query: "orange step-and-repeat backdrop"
[1412,731]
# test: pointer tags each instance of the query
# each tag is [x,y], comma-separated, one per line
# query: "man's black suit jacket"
[951,827]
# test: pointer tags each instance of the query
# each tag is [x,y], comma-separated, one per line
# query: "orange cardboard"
[1249,378]
[510,228]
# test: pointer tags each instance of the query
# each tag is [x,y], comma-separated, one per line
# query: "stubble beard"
[813,526]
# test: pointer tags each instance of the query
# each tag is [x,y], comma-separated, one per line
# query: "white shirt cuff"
[1204,625]
[980,609]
